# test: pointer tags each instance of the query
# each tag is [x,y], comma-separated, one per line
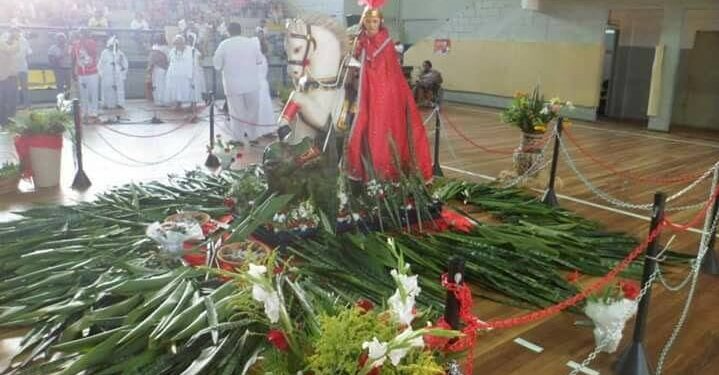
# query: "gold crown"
[369,12]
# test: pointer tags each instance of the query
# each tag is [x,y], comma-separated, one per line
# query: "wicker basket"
[201,217]
[252,251]
[8,184]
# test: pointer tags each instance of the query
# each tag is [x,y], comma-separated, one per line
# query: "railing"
[136,44]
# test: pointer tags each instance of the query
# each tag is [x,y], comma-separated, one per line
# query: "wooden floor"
[627,148]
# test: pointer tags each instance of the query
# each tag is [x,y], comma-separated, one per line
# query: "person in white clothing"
[266,114]
[239,58]
[180,85]
[113,73]
[157,69]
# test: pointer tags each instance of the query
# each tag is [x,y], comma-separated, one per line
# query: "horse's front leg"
[304,116]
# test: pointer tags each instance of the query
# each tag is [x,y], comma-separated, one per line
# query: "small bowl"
[234,255]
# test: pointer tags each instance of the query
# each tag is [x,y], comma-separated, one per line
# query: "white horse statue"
[316,48]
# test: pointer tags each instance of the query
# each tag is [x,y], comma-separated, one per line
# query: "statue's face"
[372,25]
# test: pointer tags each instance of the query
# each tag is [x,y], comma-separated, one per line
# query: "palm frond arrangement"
[99,298]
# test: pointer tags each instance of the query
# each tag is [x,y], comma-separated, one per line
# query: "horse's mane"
[329,23]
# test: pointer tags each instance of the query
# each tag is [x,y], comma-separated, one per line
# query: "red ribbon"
[471,322]
[291,110]
[23,143]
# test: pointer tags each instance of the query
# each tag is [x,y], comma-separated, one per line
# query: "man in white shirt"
[239,58]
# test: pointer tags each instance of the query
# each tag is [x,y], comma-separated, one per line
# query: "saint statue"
[387,133]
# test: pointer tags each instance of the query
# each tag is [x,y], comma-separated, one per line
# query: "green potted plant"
[532,115]
[9,177]
[38,141]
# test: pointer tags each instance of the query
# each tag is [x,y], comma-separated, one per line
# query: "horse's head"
[314,46]
[299,46]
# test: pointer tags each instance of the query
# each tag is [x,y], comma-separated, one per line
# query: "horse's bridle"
[311,42]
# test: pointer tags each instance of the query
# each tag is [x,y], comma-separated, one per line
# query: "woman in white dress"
[180,85]
[113,73]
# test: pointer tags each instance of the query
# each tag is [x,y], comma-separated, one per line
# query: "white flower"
[270,299]
[279,218]
[544,111]
[355,217]
[396,355]
[402,309]
[376,351]
[257,271]
[265,294]
[272,307]
[410,284]
[405,341]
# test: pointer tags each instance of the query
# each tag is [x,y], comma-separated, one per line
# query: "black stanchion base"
[437,171]
[81,182]
[212,161]
[633,361]
[156,120]
[550,198]
[710,264]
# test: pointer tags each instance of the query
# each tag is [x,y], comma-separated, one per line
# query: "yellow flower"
[540,128]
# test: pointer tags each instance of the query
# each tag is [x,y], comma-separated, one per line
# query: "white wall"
[333,8]
[699,20]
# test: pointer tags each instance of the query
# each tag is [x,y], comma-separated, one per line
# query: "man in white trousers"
[113,71]
[85,58]
[239,58]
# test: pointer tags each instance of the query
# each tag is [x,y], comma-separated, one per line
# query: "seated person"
[428,85]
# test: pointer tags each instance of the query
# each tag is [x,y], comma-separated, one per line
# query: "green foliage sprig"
[531,113]
[36,122]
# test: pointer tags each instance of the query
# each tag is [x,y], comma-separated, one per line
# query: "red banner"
[23,143]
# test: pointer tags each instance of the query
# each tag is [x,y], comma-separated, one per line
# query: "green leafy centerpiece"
[38,141]
[533,115]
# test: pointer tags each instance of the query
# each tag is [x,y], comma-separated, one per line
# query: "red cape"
[387,111]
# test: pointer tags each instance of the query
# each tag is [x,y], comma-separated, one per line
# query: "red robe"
[386,111]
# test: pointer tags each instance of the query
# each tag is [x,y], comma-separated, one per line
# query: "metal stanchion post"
[212,160]
[710,263]
[550,196]
[455,275]
[436,168]
[634,359]
[80,182]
